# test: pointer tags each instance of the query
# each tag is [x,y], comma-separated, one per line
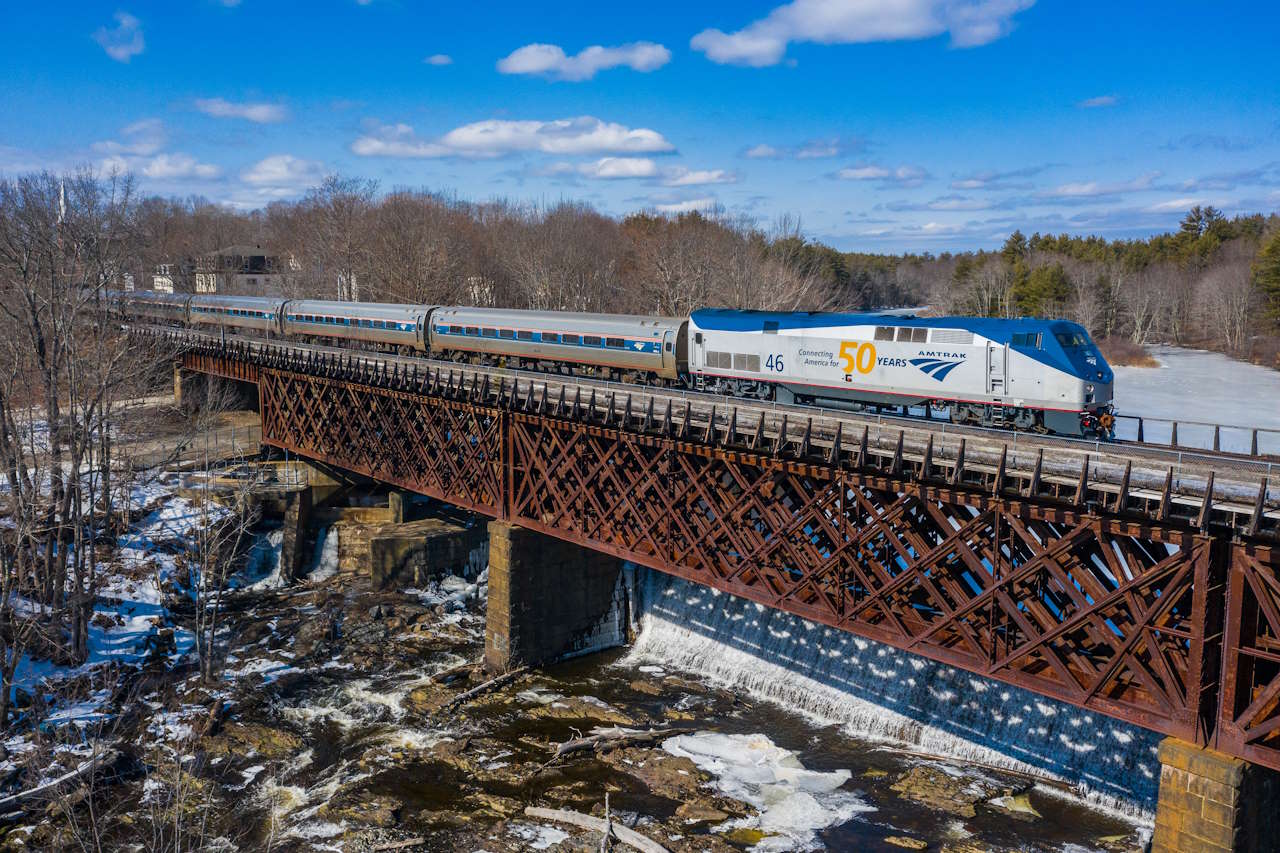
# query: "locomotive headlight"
[1088,389]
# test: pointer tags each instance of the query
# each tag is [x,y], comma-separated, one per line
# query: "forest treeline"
[1215,282]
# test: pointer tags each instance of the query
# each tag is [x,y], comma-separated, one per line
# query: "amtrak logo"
[936,367]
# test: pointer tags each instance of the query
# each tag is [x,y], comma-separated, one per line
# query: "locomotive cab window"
[884,333]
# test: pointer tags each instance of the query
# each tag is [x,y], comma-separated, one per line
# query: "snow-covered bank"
[1196,385]
[877,692]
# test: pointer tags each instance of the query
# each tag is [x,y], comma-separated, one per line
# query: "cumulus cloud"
[619,167]
[762,152]
[262,113]
[173,166]
[699,204]
[682,177]
[142,138]
[970,23]
[123,41]
[583,135]
[550,60]
[283,173]
[901,176]
[439,59]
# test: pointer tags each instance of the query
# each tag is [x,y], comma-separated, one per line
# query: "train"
[1031,374]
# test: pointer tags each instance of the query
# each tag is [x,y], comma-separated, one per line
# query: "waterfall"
[879,693]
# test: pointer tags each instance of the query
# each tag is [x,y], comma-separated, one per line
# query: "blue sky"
[883,125]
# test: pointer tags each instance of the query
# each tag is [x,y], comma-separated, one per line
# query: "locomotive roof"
[738,320]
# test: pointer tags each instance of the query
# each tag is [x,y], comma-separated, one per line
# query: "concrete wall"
[1211,802]
[412,554]
[545,596]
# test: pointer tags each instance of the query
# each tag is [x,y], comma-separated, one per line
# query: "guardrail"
[1199,435]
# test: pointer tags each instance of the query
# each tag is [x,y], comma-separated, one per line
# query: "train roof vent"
[950,336]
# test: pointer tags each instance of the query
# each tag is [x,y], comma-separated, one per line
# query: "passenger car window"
[524,335]
[616,343]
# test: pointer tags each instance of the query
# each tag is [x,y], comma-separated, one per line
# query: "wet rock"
[649,688]
[948,790]
[583,708]
[700,812]
[497,806]
[241,739]
[1017,806]
[360,808]
[907,843]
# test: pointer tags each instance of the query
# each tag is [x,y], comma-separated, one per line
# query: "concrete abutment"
[1211,802]
[545,596]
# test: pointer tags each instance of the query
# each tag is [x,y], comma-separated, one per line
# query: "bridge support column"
[188,387]
[545,596]
[1210,802]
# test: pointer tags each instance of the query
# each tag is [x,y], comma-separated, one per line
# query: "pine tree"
[1266,274]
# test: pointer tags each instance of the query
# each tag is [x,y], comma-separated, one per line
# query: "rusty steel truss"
[1165,621]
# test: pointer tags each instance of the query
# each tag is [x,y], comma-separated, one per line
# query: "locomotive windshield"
[1071,339]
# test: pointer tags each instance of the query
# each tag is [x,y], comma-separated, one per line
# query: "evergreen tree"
[1042,290]
[1266,274]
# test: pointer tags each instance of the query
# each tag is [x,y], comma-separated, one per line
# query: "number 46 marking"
[774,363]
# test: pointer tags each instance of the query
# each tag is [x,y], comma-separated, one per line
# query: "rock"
[700,812]
[427,699]
[947,791]
[583,708]
[1015,805]
[907,843]
[377,810]
[874,773]
[495,805]
[649,688]
[240,739]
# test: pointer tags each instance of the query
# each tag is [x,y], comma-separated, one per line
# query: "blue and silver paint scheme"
[620,341]
[240,312]
[376,322]
[1028,372]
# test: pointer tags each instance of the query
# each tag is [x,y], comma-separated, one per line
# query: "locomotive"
[1026,374]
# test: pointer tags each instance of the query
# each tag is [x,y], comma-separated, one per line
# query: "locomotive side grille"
[951,336]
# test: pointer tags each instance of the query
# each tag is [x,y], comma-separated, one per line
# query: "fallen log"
[615,738]
[453,672]
[488,687]
[629,837]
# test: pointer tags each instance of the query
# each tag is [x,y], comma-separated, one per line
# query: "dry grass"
[1122,351]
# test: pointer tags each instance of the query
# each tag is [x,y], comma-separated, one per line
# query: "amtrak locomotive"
[1027,374]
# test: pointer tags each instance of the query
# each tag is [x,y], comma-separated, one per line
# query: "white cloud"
[902,176]
[583,135]
[142,138]
[1177,205]
[1100,101]
[687,206]
[682,177]
[762,152]
[970,23]
[283,174]
[173,166]
[125,41]
[619,167]
[439,59]
[551,60]
[1096,189]
[262,113]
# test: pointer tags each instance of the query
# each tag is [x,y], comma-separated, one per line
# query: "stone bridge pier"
[1211,802]
[547,597]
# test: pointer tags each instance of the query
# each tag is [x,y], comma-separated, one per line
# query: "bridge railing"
[1199,435]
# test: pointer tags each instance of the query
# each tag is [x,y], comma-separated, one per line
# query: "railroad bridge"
[1131,581]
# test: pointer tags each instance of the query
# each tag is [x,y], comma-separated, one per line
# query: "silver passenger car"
[626,342]
[154,305]
[237,312]
[376,322]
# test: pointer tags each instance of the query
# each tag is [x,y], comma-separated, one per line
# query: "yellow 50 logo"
[858,356]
